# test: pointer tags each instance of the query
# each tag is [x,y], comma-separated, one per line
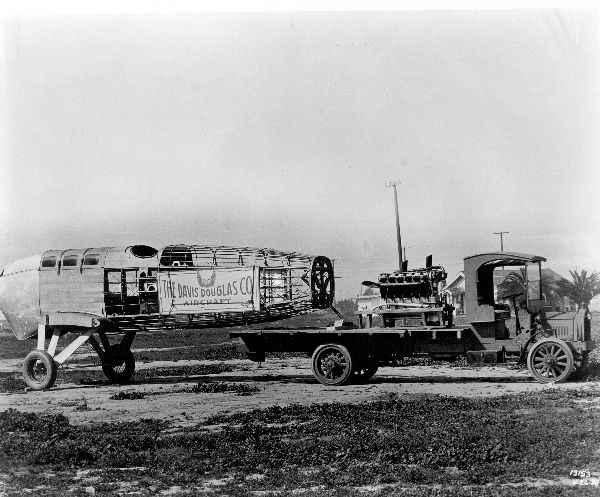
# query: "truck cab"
[497,321]
[529,321]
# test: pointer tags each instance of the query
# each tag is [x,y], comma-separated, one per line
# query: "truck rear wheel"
[332,364]
[364,374]
[550,361]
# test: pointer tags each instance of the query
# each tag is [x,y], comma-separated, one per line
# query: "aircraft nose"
[20,296]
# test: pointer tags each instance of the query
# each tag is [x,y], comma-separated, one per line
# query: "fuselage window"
[91,260]
[69,260]
[49,261]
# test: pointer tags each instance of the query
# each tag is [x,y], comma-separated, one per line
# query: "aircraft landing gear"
[118,363]
[41,365]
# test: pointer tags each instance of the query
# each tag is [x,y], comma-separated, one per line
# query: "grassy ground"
[422,446]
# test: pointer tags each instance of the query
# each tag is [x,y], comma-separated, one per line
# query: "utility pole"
[501,233]
[393,184]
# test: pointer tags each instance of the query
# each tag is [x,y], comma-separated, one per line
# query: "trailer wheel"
[550,361]
[39,370]
[364,372]
[332,364]
[118,364]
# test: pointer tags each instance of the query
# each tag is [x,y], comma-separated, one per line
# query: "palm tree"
[583,287]
[513,287]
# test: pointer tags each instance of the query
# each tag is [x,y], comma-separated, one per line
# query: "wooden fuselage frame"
[119,286]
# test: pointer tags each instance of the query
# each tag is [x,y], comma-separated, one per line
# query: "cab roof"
[507,258]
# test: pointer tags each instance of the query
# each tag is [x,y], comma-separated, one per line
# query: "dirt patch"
[278,382]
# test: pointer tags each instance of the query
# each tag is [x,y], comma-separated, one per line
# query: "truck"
[414,317]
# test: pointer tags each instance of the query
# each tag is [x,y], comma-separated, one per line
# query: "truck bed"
[382,341]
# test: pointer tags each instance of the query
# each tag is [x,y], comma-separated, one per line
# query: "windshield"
[534,281]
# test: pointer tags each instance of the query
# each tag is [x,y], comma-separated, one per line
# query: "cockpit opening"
[143,251]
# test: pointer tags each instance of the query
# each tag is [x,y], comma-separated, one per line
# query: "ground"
[199,418]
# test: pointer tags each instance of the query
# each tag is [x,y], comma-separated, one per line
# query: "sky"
[281,129]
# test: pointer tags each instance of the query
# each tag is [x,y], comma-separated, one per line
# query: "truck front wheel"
[550,361]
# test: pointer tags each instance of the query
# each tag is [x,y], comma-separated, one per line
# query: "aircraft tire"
[119,364]
[39,370]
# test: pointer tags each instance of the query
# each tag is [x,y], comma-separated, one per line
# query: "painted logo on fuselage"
[206,283]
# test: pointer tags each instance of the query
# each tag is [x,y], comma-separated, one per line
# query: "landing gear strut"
[41,366]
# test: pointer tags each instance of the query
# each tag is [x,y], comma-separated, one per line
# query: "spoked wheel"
[332,364]
[322,283]
[364,372]
[39,370]
[118,364]
[550,361]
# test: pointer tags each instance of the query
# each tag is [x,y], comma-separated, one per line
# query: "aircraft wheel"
[39,370]
[332,364]
[550,361]
[118,364]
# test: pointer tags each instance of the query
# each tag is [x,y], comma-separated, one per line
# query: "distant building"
[367,302]
[455,292]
